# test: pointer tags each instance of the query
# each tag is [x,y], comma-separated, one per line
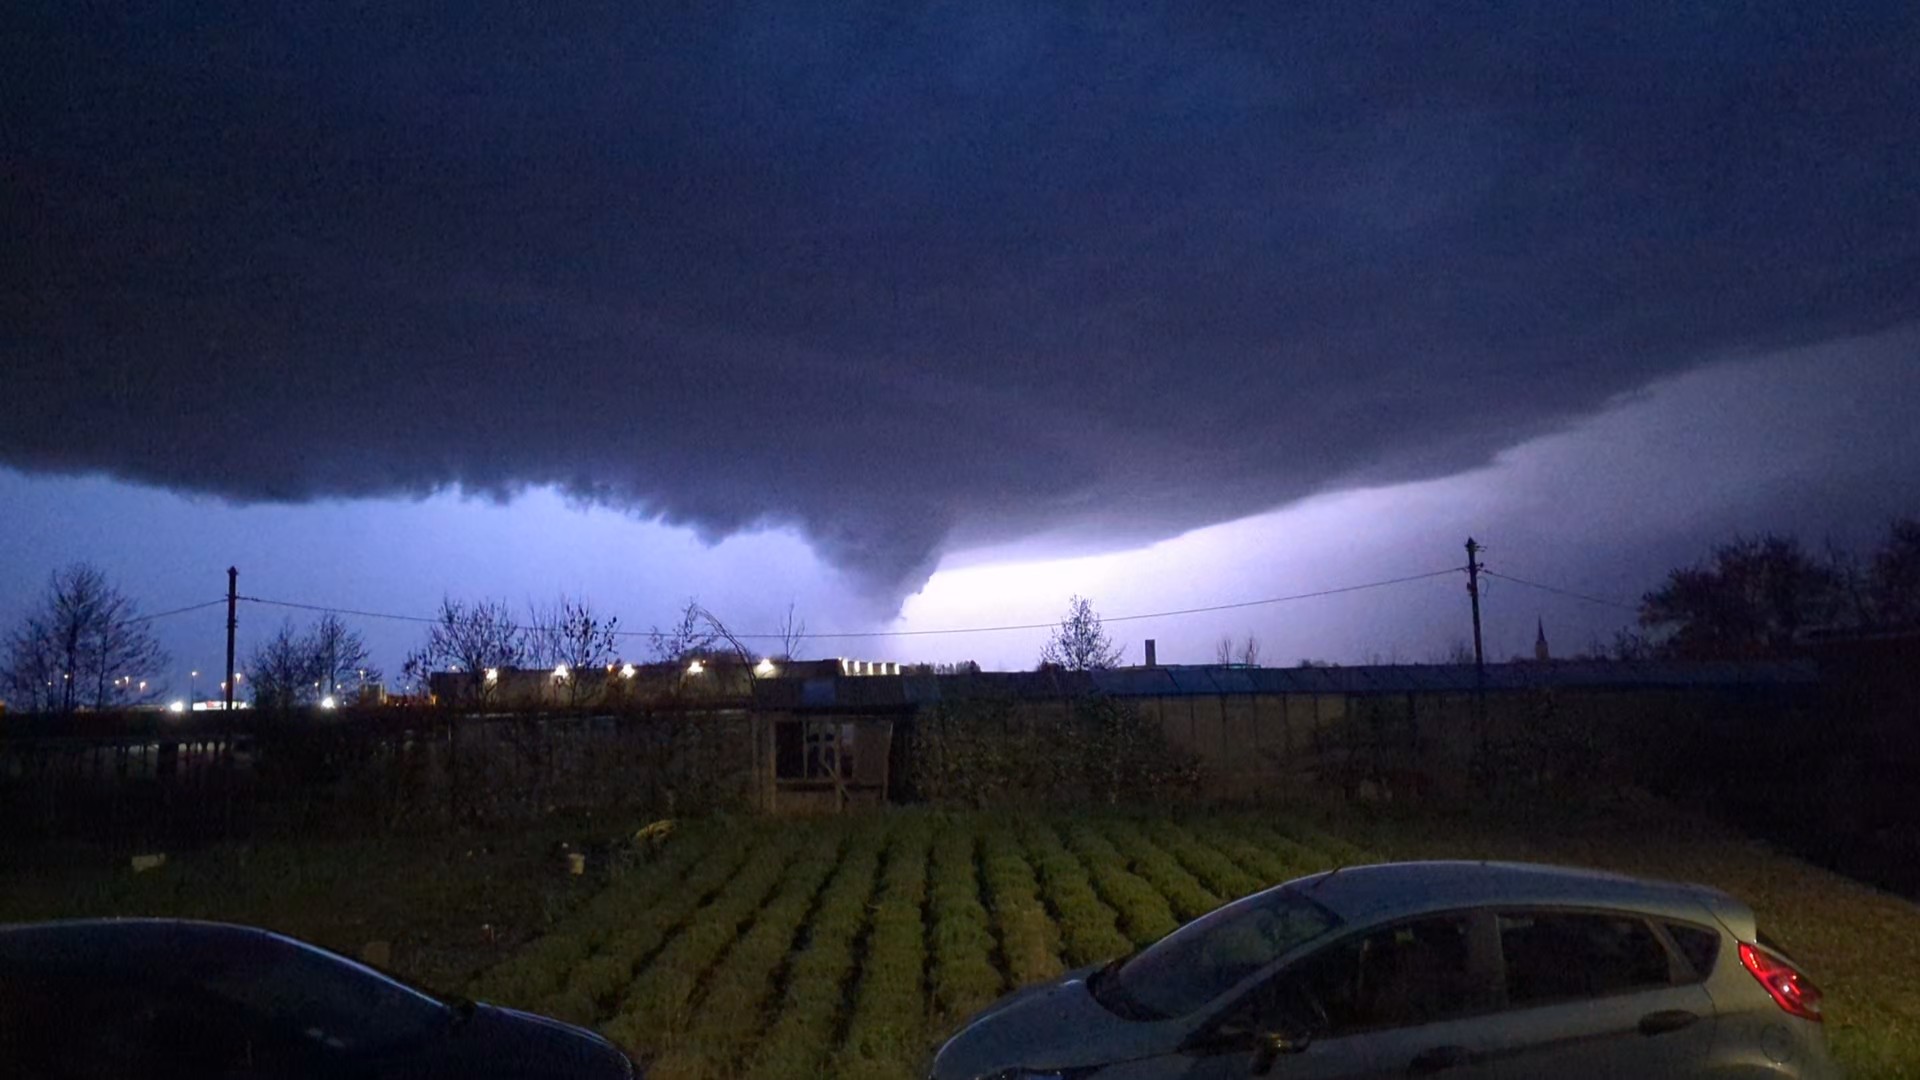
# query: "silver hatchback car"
[1468,971]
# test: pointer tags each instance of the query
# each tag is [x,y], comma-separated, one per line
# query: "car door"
[1407,998]
[1593,994]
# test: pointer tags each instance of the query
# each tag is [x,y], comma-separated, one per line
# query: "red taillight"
[1789,989]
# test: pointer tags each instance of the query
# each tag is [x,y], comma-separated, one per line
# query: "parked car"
[167,997]
[1471,971]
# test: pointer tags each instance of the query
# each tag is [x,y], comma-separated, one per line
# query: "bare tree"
[1894,577]
[341,655]
[572,639]
[793,633]
[470,639]
[84,646]
[690,637]
[1079,642]
[286,671]
[1247,654]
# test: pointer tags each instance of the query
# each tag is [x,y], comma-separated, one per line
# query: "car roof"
[177,949]
[1378,892]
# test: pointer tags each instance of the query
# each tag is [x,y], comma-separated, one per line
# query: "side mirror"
[1271,1046]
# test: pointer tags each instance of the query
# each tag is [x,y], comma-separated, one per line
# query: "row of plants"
[1256,858]
[886,1036]
[1287,842]
[597,983]
[1144,914]
[733,1008]
[1184,893]
[658,1006]
[1087,925]
[1225,878]
[801,1037]
[1029,941]
[963,975]
[540,968]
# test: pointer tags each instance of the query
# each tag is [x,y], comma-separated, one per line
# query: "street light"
[178,706]
[764,668]
[327,702]
[695,668]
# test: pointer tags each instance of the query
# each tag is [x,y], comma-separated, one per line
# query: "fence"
[158,778]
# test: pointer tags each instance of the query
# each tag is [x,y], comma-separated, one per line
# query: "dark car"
[1467,970]
[126,998]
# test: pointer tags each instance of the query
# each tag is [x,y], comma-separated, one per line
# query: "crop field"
[849,947]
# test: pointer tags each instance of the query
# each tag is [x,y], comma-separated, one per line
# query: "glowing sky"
[1603,507]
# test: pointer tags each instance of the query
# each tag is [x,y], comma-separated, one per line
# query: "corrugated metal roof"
[906,691]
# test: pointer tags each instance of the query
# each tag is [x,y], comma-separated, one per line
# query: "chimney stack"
[1150,661]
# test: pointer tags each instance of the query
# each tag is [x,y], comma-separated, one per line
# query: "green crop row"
[886,1038]
[964,978]
[1086,923]
[1184,893]
[1310,858]
[1208,864]
[1341,852]
[597,983]
[1250,855]
[531,975]
[733,1009]
[1028,938]
[817,973]
[1144,913]
[657,1008]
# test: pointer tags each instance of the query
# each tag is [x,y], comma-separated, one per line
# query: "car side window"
[1563,956]
[1413,973]
[1699,945]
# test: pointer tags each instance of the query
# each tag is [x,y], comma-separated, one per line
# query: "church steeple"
[1540,650]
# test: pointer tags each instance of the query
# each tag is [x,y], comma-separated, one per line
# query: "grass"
[849,947]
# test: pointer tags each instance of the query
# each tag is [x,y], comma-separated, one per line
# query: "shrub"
[1028,938]
[1188,898]
[820,966]
[886,1035]
[1209,864]
[1144,912]
[1086,924]
[964,978]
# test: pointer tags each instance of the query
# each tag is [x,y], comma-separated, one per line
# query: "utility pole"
[1479,669]
[1473,590]
[233,621]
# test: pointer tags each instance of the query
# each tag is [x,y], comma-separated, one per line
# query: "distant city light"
[695,668]
[626,672]
[561,671]
[327,702]
[493,674]
[764,667]
[178,706]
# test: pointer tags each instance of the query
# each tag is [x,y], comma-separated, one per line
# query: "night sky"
[928,316]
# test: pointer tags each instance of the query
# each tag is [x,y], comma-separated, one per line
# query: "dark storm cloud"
[901,277]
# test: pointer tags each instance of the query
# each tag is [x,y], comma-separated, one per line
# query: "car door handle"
[1660,1023]
[1438,1058]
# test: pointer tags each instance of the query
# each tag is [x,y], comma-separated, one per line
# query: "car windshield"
[1209,956]
[332,1003]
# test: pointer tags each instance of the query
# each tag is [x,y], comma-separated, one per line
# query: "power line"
[1562,592]
[1341,590]
[177,611]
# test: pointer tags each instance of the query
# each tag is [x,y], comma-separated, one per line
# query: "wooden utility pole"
[1479,665]
[233,621]
[1473,591]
